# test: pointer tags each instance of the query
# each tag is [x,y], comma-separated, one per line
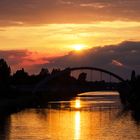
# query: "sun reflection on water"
[77,103]
[77,125]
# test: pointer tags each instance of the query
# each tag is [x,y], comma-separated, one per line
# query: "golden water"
[83,118]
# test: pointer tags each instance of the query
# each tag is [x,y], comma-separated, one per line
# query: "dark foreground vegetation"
[18,91]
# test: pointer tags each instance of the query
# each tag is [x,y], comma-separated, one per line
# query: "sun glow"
[78,47]
[77,103]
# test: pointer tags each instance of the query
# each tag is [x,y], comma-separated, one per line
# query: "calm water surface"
[91,116]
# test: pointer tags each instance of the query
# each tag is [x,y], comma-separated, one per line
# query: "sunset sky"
[35,33]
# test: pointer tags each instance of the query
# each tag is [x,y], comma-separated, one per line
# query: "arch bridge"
[97,69]
[61,73]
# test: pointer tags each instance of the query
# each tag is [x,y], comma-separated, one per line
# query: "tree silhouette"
[20,77]
[44,72]
[5,72]
[82,77]
[133,76]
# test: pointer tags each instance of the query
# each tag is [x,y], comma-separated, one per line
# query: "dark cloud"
[121,58]
[20,12]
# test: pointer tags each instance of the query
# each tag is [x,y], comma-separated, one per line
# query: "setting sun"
[78,47]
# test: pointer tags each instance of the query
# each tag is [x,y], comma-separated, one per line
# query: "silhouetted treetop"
[20,77]
[5,71]
[44,72]
[133,76]
[21,73]
[55,71]
[82,77]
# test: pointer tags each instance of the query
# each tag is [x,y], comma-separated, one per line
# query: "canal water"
[90,116]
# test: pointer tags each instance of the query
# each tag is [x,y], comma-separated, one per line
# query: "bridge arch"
[98,69]
[47,79]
